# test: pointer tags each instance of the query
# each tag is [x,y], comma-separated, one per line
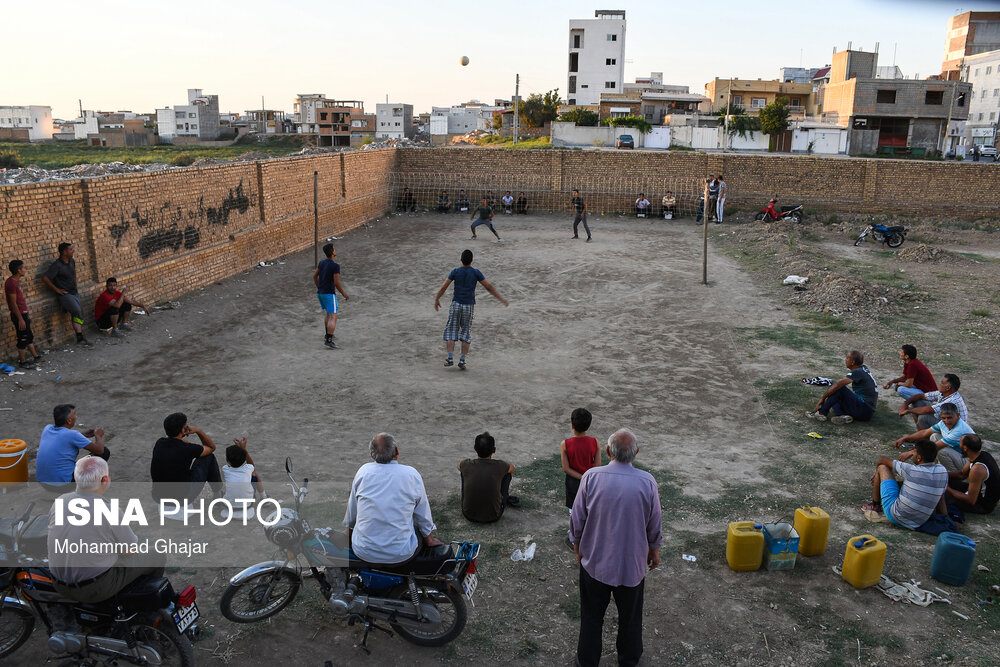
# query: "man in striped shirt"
[911,503]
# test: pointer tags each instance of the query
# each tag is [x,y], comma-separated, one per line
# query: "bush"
[183,160]
[10,160]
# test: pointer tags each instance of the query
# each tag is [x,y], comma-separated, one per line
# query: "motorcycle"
[146,623]
[891,236]
[769,214]
[423,600]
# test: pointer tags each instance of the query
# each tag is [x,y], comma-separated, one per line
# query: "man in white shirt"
[508,203]
[387,502]
[641,205]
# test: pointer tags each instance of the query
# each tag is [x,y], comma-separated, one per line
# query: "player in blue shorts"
[327,279]
[485,213]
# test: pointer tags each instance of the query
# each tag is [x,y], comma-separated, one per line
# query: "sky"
[116,55]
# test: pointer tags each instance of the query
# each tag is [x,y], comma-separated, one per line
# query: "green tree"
[638,122]
[497,122]
[774,118]
[539,109]
[582,117]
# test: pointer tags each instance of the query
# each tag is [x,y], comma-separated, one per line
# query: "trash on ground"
[795,280]
[527,554]
[814,434]
[689,558]
[983,568]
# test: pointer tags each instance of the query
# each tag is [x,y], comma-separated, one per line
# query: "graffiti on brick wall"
[170,227]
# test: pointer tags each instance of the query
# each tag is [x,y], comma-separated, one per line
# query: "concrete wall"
[569,134]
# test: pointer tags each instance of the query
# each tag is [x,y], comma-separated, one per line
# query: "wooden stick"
[766,646]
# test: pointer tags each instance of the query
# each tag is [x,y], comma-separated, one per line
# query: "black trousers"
[594,599]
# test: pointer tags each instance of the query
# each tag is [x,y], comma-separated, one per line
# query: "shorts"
[889,493]
[24,336]
[459,322]
[71,304]
[329,302]
[480,221]
[104,321]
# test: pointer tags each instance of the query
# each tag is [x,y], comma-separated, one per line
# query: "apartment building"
[198,120]
[755,94]
[982,71]
[26,123]
[596,57]
[393,121]
[334,122]
[969,34]
[265,121]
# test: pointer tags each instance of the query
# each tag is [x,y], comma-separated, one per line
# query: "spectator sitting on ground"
[508,203]
[858,402]
[486,483]
[922,491]
[916,378]
[443,202]
[113,307]
[406,202]
[240,474]
[178,468]
[976,487]
[462,203]
[641,206]
[926,407]
[946,434]
[521,206]
[59,446]
[669,205]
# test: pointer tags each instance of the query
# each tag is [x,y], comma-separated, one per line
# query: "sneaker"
[588,239]
[499,240]
[871,507]
[513,501]
[449,362]
[27,364]
[38,359]
[461,364]
[576,237]
[817,415]
[569,543]
[842,419]
[115,333]
[84,342]
[472,238]
[330,344]
[126,326]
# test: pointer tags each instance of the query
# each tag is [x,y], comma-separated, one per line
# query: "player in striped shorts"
[463,306]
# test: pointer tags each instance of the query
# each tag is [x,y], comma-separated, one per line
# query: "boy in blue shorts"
[910,503]
[327,279]
[485,213]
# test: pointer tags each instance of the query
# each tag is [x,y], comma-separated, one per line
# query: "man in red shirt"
[113,307]
[916,378]
[19,314]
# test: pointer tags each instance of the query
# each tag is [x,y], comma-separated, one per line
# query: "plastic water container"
[781,546]
[813,526]
[863,561]
[13,462]
[954,555]
[745,546]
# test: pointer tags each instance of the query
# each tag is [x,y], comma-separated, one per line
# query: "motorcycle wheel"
[859,240]
[795,217]
[16,625]
[759,216]
[895,240]
[161,634]
[450,604]
[245,603]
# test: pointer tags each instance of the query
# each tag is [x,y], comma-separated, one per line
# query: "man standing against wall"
[19,314]
[61,279]
[616,532]
[581,215]
[327,279]
[722,199]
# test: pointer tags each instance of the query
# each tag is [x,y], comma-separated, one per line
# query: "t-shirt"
[57,452]
[13,286]
[669,200]
[171,464]
[989,492]
[327,270]
[104,302]
[70,567]
[507,200]
[642,202]
[713,189]
[937,399]
[485,212]
[465,279]
[580,452]
[864,385]
[63,275]
[919,494]
[922,378]
[481,480]
[578,203]
[238,482]
[952,437]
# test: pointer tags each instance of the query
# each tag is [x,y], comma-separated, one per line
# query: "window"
[572,84]
[934,97]
[181,127]
[989,70]
[585,85]
[612,38]
[578,43]
[993,115]
[609,61]
[982,94]
[795,102]
[609,85]
[738,100]
[996,92]
[980,117]
[574,62]
[194,126]
[322,116]
[977,71]
[757,102]
[885,97]
[192,115]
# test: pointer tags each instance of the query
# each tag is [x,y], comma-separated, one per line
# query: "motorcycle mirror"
[288,465]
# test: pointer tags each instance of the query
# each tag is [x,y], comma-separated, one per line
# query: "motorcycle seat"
[895,228]
[427,561]
[785,209]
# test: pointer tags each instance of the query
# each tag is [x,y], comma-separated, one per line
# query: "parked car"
[988,152]
[625,141]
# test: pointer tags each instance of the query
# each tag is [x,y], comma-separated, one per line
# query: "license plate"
[185,616]
[469,585]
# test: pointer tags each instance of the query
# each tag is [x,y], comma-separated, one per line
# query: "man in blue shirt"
[327,279]
[462,306]
[60,444]
[857,403]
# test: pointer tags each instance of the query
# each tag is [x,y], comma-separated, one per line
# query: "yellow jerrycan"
[745,545]
[813,526]
[863,561]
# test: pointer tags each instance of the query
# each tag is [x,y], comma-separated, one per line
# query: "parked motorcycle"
[891,236]
[422,600]
[769,214]
[146,623]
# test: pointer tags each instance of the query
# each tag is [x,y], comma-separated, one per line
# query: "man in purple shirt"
[615,529]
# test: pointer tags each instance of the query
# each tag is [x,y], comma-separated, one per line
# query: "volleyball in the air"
[465,60]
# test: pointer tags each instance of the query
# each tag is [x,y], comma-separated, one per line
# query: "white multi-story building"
[35,119]
[983,72]
[466,118]
[393,121]
[304,113]
[199,118]
[596,57]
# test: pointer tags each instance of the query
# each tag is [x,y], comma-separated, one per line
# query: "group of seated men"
[463,204]
[668,206]
[946,472]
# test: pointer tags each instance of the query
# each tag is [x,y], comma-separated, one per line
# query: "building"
[596,57]
[198,120]
[393,121]
[983,72]
[266,121]
[27,123]
[620,105]
[659,101]
[892,115]
[969,34]
[334,121]
[755,94]
[122,129]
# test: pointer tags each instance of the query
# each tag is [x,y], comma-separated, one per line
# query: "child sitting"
[239,476]
[579,453]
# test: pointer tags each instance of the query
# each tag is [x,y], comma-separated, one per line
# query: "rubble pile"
[924,253]
[35,174]
[391,143]
[838,295]
[470,137]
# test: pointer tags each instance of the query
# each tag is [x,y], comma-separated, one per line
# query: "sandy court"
[620,325]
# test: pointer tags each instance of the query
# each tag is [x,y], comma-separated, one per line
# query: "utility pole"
[947,121]
[704,236]
[725,122]
[315,218]
[517,95]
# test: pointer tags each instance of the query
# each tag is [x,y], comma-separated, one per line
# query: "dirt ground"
[707,377]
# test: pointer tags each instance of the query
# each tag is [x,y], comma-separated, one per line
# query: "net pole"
[704,237]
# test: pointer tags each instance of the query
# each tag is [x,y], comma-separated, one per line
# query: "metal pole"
[725,123]
[517,93]
[947,121]
[704,238]
[316,218]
